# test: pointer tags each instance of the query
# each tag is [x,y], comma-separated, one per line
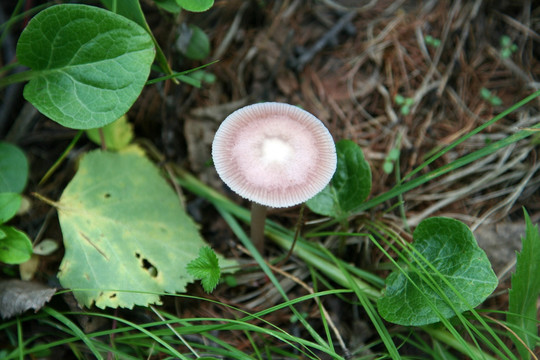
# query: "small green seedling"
[205,268]
[430,40]
[507,47]
[489,97]
[391,158]
[405,104]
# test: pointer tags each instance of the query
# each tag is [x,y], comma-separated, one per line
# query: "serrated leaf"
[9,205]
[195,5]
[89,65]
[523,295]
[17,296]
[15,246]
[206,268]
[13,168]
[451,248]
[350,185]
[117,135]
[124,229]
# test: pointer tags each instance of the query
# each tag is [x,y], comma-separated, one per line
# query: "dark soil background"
[343,61]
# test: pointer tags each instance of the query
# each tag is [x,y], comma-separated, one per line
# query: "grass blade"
[523,296]
[76,330]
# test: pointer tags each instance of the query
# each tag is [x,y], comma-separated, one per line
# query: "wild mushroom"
[274,154]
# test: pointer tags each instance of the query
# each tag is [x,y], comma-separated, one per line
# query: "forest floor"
[344,63]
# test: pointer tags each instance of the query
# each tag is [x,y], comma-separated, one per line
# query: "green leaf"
[9,205]
[199,44]
[505,41]
[117,135]
[495,101]
[89,65]
[388,166]
[393,154]
[124,229]
[350,185]
[13,168]
[195,5]
[458,278]
[523,296]
[169,5]
[15,247]
[132,10]
[205,268]
[485,93]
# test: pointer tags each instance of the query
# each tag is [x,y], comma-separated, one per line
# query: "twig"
[327,39]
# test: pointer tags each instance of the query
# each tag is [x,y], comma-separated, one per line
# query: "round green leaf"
[458,278]
[13,168]
[350,185]
[88,64]
[9,205]
[15,246]
[199,44]
[124,229]
[195,5]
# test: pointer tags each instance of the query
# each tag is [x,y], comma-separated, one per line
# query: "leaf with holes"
[89,65]
[126,235]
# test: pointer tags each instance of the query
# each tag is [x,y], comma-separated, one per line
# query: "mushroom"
[275,155]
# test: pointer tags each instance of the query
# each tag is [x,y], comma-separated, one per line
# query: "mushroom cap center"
[275,150]
[274,153]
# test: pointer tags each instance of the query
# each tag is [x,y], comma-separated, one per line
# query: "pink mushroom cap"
[274,154]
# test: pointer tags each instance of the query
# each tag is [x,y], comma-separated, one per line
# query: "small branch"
[46,200]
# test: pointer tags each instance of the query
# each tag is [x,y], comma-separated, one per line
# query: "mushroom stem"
[258,219]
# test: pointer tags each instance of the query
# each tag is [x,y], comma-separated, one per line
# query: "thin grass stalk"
[76,330]
[370,310]
[20,339]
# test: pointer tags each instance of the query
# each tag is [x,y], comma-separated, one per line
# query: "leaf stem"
[46,200]
[61,158]
[17,77]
